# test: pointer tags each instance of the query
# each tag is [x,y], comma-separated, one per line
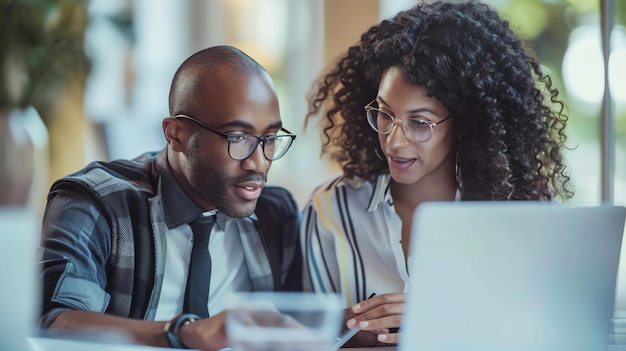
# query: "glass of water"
[283,321]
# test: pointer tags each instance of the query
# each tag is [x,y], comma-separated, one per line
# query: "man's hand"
[205,334]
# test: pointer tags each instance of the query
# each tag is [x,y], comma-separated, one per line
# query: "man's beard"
[212,187]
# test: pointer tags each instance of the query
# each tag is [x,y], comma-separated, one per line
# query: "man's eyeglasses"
[241,146]
[415,129]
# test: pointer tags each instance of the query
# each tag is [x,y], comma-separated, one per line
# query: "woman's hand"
[379,315]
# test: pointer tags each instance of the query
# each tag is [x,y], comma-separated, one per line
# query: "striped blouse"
[350,236]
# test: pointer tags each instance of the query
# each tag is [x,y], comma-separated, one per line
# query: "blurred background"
[85,80]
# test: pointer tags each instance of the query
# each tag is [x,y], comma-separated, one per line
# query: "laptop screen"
[511,276]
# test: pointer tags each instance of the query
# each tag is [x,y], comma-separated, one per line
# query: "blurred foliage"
[543,26]
[584,6]
[620,12]
[41,51]
[546,25]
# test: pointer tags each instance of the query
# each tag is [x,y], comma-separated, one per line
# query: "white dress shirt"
[350,236]
[229,271]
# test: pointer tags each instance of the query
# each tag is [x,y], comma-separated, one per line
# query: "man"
[118,236]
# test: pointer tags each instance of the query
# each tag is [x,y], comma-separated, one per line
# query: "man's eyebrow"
[246,125]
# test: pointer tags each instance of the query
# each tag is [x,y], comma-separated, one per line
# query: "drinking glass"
[283,321]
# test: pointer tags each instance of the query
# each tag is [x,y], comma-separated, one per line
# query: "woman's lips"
[401,163]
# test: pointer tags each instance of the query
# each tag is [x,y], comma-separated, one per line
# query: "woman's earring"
[377,152]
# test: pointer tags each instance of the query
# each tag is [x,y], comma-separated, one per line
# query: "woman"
[440,103]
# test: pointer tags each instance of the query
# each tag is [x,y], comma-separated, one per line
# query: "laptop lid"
[20,293]
[511,276]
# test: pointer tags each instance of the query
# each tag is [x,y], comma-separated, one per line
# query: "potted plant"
[41,53]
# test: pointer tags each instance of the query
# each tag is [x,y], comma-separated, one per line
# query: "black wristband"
[171,328]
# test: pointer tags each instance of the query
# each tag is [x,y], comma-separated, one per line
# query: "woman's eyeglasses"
[415,129]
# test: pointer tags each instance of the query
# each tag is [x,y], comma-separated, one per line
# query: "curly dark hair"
[510,133]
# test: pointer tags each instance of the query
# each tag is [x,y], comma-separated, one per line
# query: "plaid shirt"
[104,228]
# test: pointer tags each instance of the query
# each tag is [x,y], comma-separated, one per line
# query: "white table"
[49,344]
[46,344]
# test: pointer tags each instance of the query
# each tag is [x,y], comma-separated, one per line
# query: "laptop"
[511,276]
[20,292]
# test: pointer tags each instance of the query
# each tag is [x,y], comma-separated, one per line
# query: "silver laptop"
[20,292]
[527,276]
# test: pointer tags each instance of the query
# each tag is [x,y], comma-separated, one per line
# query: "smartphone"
[347,335]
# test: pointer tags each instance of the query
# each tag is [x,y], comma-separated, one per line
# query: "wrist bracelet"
[171,328]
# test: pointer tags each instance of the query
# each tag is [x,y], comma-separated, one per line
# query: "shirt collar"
[179,208]
[381,193]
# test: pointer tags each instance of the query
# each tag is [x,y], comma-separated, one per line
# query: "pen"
[348,334]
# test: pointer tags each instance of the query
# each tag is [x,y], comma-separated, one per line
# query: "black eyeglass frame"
[430,124]
[230,137]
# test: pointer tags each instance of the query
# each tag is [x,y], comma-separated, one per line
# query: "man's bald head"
[204,64]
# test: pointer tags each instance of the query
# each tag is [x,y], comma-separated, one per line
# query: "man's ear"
[174,134]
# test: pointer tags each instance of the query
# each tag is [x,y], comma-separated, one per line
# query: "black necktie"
[197,290]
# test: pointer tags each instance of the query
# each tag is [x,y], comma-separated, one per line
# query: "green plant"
[41,51]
